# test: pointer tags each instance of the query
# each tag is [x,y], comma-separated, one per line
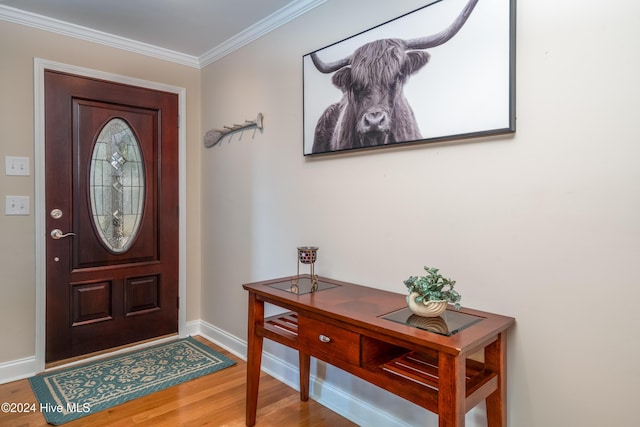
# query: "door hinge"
[178,302]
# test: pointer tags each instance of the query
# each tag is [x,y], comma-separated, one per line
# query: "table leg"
[305,370]
[451,390]
[254,357]
[495,359]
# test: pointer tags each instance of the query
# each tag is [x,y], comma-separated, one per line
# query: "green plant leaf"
[433,287]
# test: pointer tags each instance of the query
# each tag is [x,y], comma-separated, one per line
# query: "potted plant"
[430,294]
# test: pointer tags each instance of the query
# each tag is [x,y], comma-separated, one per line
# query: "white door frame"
[40,65]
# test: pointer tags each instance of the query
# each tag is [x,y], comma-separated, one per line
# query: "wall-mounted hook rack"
[214,136]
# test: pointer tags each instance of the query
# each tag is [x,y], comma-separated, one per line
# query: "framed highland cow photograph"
[445,71]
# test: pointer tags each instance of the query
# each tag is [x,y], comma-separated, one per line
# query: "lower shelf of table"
[411,374]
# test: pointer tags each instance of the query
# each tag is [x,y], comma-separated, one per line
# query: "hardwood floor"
[217,400]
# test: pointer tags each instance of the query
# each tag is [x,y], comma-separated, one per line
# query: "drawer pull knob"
[324,338]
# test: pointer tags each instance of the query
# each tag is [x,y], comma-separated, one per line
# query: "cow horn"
[329,67]
[445,35]
[419,43]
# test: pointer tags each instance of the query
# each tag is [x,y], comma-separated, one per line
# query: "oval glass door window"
[117,186]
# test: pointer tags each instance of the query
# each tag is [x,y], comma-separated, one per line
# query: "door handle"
[58,234]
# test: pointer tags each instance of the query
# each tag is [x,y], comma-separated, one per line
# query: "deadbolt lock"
[56,214]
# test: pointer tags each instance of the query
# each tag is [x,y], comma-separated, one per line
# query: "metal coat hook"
[214,136]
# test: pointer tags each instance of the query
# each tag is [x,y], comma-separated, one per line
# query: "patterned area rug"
[82,390]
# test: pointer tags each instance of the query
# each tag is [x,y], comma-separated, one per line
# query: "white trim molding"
[219,337]
[338,400]
[268,24]
[45,23]
[265,26]
[17,369]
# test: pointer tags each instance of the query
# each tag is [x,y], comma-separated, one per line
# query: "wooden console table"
[368,333]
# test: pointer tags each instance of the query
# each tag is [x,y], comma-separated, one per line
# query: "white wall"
[543,226]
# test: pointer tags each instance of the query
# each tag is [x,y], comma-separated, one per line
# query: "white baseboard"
[219,337]
[354,409]
[17,369]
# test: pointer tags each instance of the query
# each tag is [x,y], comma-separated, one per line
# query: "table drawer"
[321,338]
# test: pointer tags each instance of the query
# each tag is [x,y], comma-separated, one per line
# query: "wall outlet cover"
[16,166]
[16,205]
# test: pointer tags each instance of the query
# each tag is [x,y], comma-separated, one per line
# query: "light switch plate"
[16,166]
[16,205]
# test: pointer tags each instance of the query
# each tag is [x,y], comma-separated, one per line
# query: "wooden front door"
[111,154]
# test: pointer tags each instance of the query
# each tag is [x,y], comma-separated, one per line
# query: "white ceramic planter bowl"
[426,309]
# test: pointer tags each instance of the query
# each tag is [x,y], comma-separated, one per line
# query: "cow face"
[373,87]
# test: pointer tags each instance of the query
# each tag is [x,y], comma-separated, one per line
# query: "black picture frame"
[466,88]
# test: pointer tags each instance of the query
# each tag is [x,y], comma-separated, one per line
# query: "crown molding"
[270,23]
[33,20]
